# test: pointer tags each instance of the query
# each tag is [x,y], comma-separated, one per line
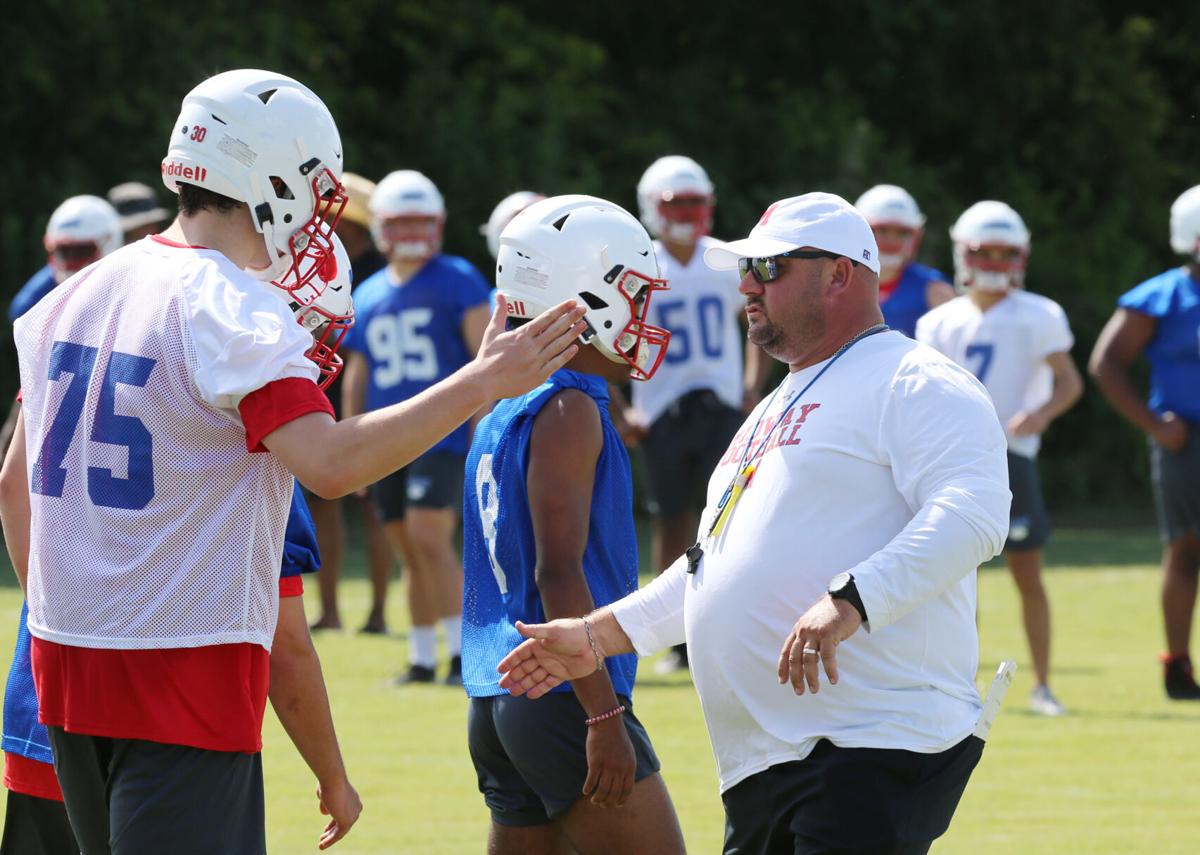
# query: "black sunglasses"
[767,269]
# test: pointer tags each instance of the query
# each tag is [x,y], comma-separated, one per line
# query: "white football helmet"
[323,306]
[592,251]
[408,195]
[675,199]
[886,206]
[1185,224]
[990,226]
[503,213]
[266,140]
[83,229]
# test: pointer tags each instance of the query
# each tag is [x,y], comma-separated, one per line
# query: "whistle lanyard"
[745,470]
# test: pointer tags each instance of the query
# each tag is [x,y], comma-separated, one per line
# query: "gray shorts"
[531,756]
[1028,522]
[433,480]
[133,797]
[1176,480]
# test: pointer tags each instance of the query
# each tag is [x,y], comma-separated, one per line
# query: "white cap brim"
[725,256]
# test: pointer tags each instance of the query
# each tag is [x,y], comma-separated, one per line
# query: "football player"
[548,531]
[82,230]
[169,405]
[1019,346]
[1160,319]
[419,320]
[684,418]
[907,290]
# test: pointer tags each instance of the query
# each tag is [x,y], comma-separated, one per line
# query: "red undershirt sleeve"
[291,586]
[281,401]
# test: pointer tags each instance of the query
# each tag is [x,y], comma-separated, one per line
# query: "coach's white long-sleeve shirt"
[891,466]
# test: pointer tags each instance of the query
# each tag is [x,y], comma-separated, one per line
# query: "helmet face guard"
[640,344]
[684,217]
[328,331]
[312,244]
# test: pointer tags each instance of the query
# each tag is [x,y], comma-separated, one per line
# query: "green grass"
[1121,774]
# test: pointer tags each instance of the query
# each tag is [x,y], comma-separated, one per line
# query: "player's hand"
[611,763]
[1171,432]
[823,627]
[341,803]
[1027,424]
[553,653]
[514,362]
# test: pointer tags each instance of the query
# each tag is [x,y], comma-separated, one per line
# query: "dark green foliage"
[1081,115]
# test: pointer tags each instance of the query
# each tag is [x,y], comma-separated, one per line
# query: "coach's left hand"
[821,629]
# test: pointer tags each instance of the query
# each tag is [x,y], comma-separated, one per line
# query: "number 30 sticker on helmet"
[594,252]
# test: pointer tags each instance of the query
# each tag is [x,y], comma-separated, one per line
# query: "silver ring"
[811,651]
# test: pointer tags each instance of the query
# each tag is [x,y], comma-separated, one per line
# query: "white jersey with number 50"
[1006,348]
[701,310]
[152,525]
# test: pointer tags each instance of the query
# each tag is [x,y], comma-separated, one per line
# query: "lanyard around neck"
[745,470]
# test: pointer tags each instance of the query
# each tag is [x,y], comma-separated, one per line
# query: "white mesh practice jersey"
[701,311]
[1006,348]
[152,525]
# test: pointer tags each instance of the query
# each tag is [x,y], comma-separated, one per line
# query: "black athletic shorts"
[849,800]
[433,480]
[531,756]
[35,826]
[1028,522]
[133,797]
[683,448]
[1176,479]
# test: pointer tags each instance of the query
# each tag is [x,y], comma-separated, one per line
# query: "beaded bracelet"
[587,627]
[613,713]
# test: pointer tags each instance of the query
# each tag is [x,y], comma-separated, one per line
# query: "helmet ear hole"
[592,300]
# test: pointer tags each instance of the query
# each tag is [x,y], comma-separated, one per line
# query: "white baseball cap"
[820,220]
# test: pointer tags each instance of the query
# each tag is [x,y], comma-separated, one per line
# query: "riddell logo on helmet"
[515,307]
[189,173]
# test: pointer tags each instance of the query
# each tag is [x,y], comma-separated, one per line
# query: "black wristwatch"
[842,587]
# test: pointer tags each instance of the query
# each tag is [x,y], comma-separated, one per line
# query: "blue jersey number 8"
[50,476]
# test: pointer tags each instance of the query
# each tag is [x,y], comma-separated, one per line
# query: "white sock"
[422,646]
[452,626]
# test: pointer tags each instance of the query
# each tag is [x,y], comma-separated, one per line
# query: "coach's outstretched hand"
[552,653]
[341,803]
[520,360]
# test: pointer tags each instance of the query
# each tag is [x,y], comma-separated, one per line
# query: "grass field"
[1120,774]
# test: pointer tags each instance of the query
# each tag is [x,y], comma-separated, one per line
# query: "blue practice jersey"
[499,554]
[907,302]
[24,735]
[1173,300]
[411,334]
[39,285]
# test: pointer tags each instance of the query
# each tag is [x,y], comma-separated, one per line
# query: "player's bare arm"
[301,702]
[14,502]
[1068,388]
[335,458]
[1124,339]
[814,639]
[564,447]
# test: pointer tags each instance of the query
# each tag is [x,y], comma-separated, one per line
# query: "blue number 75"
[104,488]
